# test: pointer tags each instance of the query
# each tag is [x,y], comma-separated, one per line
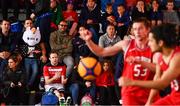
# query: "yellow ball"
[89,68]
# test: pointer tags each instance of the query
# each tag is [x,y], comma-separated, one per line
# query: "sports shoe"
[62,101]
[68,101]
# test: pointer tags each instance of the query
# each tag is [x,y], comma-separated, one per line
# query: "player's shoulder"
[124,43]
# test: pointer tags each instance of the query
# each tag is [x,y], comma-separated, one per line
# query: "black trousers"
[16,96]
[107,96]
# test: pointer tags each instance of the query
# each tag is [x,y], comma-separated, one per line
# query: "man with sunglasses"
[61,42]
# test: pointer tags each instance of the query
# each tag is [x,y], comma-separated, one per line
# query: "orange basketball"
[89,68]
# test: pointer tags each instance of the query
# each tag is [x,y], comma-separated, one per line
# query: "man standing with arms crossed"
[137,60]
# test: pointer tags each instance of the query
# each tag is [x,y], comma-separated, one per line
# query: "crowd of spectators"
[54,25]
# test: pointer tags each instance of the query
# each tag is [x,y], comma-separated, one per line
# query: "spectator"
[129,35]
[61,42]
[14,81]
[109,39]
[140,10]
[170,15]
[73,85]
[7,44]
[123,21]
[72,18]
[29,6]
[55,75]
[80,49]
[106,85]
[57,15]
[42,16]
[33,51]
[108,17]
[130,4]
[91,16]
[156,15]
[114,3]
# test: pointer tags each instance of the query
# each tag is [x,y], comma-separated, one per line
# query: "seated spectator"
[80,49]
[108,17]
[71,17]
[156,15]
[14,81]
[61,42]
[106,85]
[7,44]
[55,75]
[123,20]
[170,15]
[91,16]
[73,85]
[129,35]
[109,39]
[140,10]
[114,3]
[57,14]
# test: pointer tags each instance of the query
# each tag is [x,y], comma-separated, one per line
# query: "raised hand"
[85,34]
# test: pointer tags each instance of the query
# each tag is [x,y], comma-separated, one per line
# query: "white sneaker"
[68,101]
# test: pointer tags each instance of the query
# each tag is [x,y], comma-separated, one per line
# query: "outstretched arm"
[99,51]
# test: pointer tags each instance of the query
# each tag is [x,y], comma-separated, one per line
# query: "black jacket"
[14,76]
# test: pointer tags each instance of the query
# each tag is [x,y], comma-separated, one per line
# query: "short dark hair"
[53,52]
[166,33]
[108,5]
[7,20]
[143,20]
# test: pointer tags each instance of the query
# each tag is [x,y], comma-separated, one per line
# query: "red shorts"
[172,99]
[133,100]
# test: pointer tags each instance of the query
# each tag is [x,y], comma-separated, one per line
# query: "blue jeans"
[31,65]
[74,89]
[92,91]
[69,61]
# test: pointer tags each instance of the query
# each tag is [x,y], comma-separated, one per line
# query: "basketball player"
[137,56]
[162,38]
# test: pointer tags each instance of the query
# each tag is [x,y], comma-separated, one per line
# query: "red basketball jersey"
[174,97]
[175,84]
[136,71]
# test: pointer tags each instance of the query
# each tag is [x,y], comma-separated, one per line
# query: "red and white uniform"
[134,95]
[174,97]
[50,71]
